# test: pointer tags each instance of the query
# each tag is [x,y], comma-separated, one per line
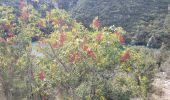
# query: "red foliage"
[75,57]
[99,37]
[96,23]
[62,38]
[42,75]
[91,53]
[125,56]
[121,39]
[11,35]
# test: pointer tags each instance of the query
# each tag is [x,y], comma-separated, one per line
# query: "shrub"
[74,63]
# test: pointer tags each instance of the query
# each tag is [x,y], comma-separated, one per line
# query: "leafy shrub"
[75,63]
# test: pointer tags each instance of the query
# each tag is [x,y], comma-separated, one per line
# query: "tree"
[75,63]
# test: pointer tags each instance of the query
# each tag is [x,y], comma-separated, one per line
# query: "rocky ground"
[161,84]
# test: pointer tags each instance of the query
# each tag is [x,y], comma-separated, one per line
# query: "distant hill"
[141,18]
[144,20]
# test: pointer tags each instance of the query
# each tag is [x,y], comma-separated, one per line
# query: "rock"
[166,67]
[151,42]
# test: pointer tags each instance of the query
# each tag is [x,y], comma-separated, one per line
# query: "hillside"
[141,18]
[147,22]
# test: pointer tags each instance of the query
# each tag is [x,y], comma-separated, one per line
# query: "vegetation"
[141,18]
[145,20]
[75,63]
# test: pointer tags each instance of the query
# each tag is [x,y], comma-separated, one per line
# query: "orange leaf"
[121,40]
[62,38]
[99,37]
[91,53]
[42,75]
[125,56]
[96,23]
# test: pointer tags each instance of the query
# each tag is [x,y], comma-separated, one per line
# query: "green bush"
[74,62]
